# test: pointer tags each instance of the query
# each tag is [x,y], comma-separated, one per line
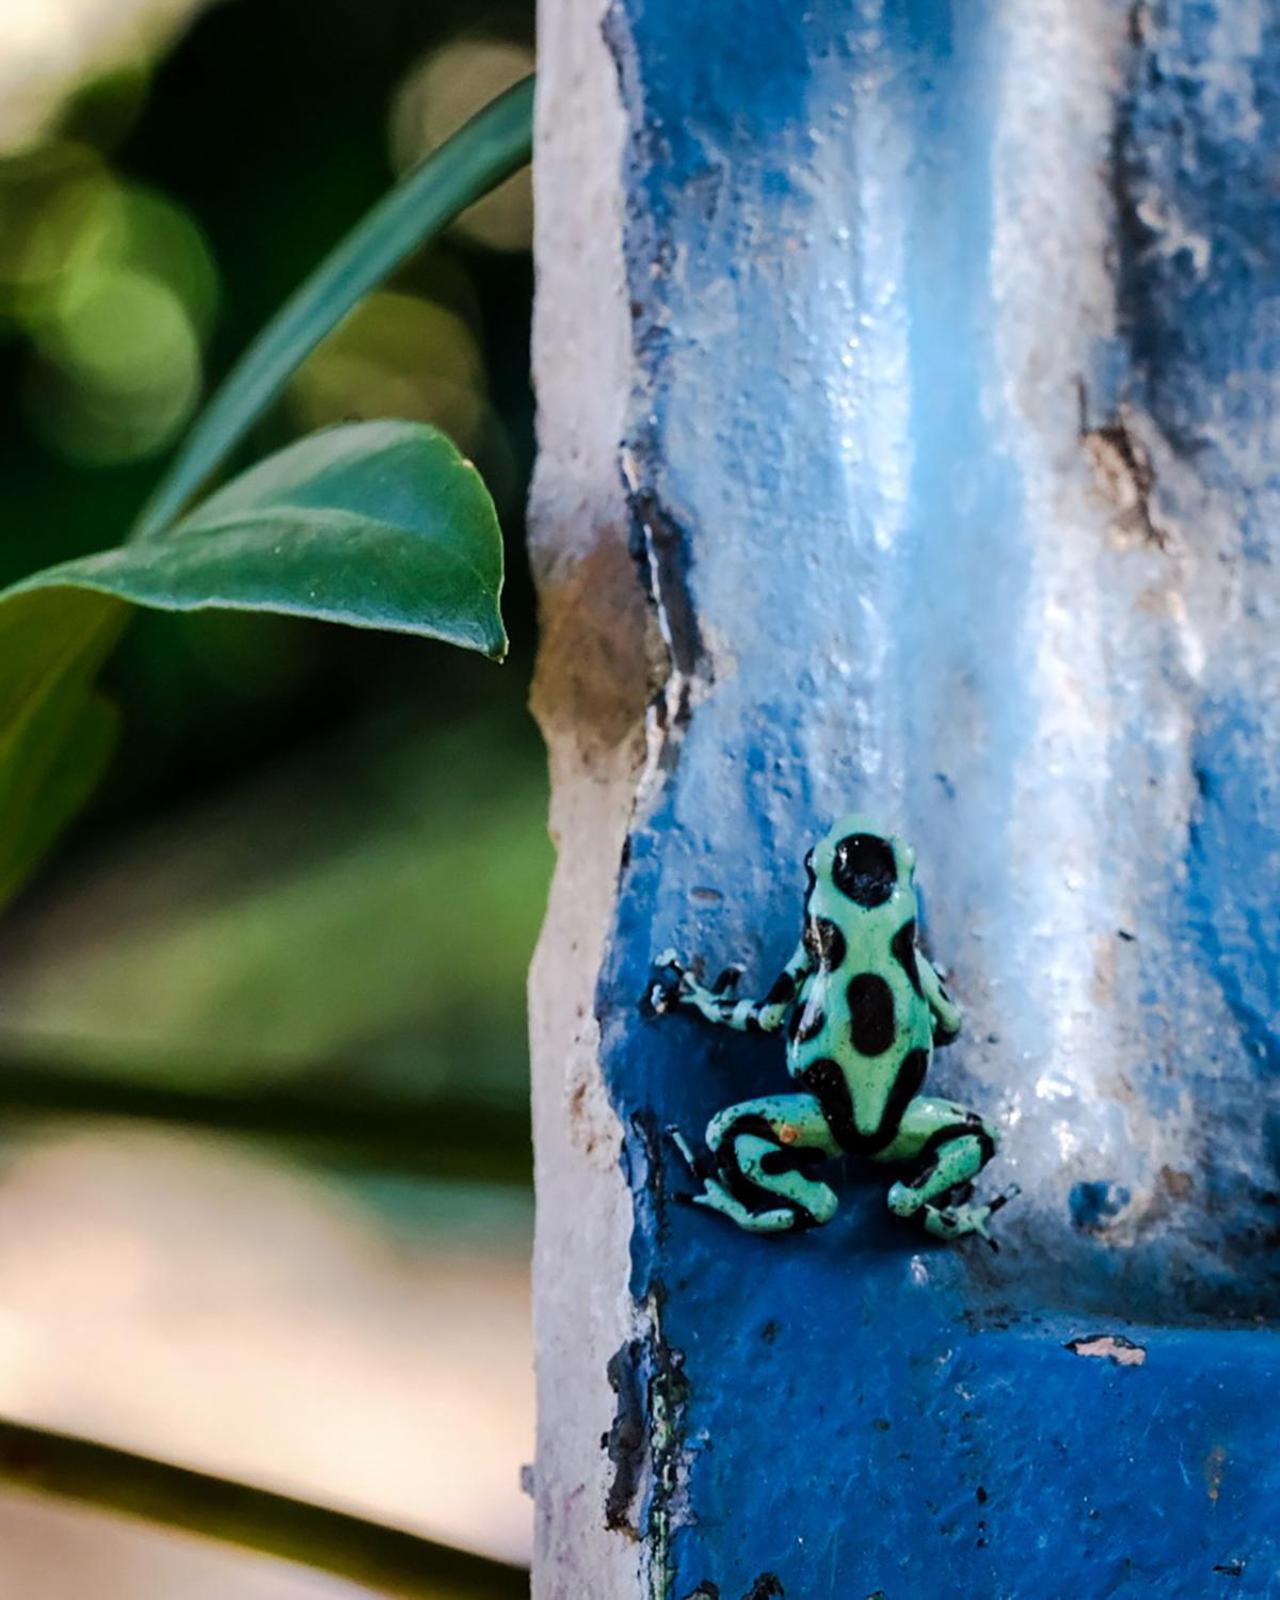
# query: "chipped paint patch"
[1113,1347]
[1124,474]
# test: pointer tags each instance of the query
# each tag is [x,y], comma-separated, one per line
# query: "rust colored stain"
[1215,1464]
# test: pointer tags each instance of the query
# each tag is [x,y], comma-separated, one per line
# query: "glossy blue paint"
[951,463]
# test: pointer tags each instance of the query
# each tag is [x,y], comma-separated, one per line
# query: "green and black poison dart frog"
[863,1010]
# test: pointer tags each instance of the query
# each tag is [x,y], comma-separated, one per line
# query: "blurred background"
[264,1164]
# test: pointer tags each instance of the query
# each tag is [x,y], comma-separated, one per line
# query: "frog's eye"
[864,869]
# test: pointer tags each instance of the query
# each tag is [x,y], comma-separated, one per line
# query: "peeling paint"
[667,1506]
[1117,1348]
[1125,475]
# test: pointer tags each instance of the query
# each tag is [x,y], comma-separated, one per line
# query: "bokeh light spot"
[396,355]
[438,95]
[119,371]
[45,198]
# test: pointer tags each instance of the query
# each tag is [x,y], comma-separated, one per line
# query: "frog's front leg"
[947,1016]
[720,1004]
[762,1155]
[951,1146]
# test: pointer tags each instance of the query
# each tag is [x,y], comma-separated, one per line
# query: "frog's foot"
[671,981]
[951,1146]
[955,1221]
[715,1197]
[758,1167]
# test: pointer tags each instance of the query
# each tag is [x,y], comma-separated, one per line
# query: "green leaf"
[53,628]
[496,142]
[70,740]
[56,733]
[375,524]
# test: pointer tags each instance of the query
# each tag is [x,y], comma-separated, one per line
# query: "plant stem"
[389,1560]
[435,1136]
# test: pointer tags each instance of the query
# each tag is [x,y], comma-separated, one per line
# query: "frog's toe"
[958,1221]
[686,1151]
[715,1197]
[663,994]
[658,998]
[903,1200]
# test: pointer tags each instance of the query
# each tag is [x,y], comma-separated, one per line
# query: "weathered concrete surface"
[953,405]
[589,697]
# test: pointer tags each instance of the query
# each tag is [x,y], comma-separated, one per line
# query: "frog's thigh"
[927,1120]
[762,1148]
[948,1144]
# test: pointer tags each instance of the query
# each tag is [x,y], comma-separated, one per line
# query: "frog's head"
[865,863]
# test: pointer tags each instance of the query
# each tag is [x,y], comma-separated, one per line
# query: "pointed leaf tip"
[373,524]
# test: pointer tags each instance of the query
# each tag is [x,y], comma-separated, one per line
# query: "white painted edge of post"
[589,698]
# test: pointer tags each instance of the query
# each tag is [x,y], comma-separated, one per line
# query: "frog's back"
[862,1032]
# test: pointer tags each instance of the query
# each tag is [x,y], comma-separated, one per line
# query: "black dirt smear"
[626,1441]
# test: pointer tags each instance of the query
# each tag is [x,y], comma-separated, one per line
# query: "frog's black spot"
[793,1159]
[825,1081]
[903,949]
[871,1020]
[824,942]
[783,990]
[807,1023]
[971,1126]
[906,1086]
[864,869]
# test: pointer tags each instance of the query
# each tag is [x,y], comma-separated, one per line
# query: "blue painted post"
[937,348]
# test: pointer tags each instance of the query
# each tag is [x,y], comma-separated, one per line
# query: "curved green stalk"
[494,144]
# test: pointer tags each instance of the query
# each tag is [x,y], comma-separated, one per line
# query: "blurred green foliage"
[388,939]
[351,864]
[303,901]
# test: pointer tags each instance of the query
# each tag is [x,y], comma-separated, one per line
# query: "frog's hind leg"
[950,1146]
[762,1155]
